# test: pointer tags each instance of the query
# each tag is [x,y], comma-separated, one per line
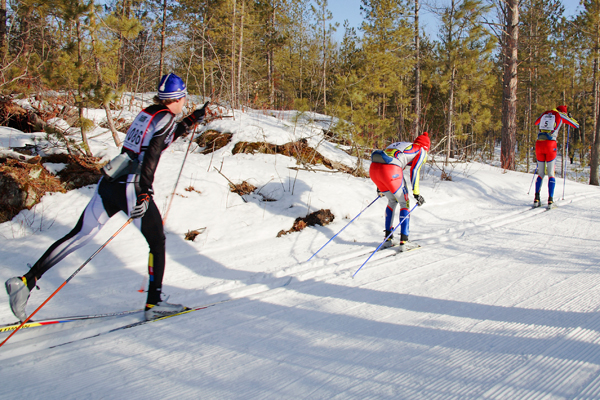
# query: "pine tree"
[415,129]
[388,67]
[465,63]
[537,75]
[323,34]
[3,36]
[509,43]
[104,52]
[590,28]
[70,66]
[296,56]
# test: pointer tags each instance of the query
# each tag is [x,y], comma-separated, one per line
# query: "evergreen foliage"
[282,54]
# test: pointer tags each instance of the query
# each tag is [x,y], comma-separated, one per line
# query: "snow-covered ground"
[501,301]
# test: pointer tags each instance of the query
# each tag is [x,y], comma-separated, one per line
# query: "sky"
[350,10]
[501,301]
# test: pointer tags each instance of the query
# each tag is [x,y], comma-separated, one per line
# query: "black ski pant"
[109,199]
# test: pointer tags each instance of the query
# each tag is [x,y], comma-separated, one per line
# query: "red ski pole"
[67,281]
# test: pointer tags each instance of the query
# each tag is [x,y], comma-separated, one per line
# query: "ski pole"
[565,162]
[67,281]
[181,169]
[178,176]
[343,228]
[381,244]
[531,184]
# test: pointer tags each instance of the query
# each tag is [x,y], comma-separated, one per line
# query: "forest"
[479,83]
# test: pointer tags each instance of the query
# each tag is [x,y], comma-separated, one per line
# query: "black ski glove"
[141,205]
[380,193]
[420,199]
[195,117]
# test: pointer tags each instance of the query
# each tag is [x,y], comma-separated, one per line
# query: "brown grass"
[242,188]
[23,184]
[299,150]
[213,141]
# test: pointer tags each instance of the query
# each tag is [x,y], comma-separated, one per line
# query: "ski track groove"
[465,229]
[383,377]
[561,337]
[392,313]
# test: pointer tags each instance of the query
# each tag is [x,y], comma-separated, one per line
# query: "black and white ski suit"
[153,130]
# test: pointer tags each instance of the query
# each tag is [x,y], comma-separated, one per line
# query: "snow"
[10,137]
[501,301]
[54,168]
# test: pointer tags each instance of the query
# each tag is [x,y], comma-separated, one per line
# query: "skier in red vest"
[386,172]
[126,187]
[549,124]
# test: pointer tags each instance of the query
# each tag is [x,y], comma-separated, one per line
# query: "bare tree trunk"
[26,35]
[417,102]
[595,147]
[192,53]
[86,145]
[3,41]
[203,62]
[301,88]
[510,81]
[212,79]
[450,115]
[594,157]
[270,78]
[124,14]
[324,77]
[271,63]
[163,34]
[239,77]
[595,84]
[528,125]
[233,99]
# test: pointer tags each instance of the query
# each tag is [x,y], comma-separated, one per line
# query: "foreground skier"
[127,187]
[386,172]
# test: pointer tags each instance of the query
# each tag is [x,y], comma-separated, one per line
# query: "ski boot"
[18,294]
[550,202]
[161,309]
[536,200]
[390,241]
[403,242]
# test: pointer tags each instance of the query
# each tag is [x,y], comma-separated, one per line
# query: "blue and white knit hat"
[171,87]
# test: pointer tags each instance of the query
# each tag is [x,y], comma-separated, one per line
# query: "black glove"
[380,193]
[420,199]
[141,205]
[195,117]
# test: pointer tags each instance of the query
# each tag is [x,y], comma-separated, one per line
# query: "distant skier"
[387,173]
[549,124]
[127,187]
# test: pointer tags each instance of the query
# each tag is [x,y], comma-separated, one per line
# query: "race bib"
[137,131]
[547,122]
